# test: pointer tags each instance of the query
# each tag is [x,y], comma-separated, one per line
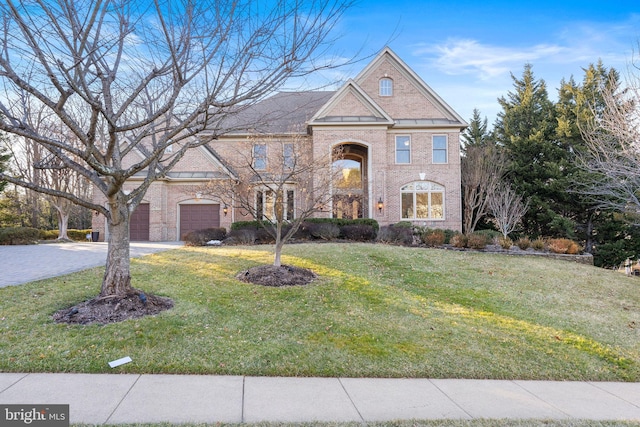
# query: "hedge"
[78,235]
[19,236]
[340,222]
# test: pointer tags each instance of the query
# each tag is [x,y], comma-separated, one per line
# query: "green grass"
[376,310]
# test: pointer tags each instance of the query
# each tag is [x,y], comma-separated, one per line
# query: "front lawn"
[376,310]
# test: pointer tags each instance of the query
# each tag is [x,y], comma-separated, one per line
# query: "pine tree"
[577,107]
[527,129]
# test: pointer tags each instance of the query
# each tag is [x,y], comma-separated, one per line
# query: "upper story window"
[403,149]
[439,149]
[386,87]
[288,156]
[260,156]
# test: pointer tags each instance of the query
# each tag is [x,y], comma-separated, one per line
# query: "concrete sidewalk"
[127,398]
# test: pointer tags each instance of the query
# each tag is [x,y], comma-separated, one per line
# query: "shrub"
[201,237]
[323,230]
[395,235]
[477,240]
[538,244]
[505,242]
[564,246]
[77,235]
[433,238]
[344,221]
[490,235]
[523,243]
[448,234]
[243,236]
[459,240]
[403,224]
[19,236]
[48,234]
[240,225]
[358,232]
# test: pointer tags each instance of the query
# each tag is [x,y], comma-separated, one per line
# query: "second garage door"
[139,223]
[198,217]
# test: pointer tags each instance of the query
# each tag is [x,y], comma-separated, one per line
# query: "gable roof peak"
[376,113]
[387,53]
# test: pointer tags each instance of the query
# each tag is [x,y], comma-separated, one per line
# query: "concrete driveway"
[22,264]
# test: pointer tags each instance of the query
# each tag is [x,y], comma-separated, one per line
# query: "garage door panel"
[139,223]
[198,217]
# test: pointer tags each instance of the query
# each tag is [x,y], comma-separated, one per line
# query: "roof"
[282,113]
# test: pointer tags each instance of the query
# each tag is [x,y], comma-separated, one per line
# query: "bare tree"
[131,75]
[482,168]
[507,208]
[612,160]
[34,164]
[281,190]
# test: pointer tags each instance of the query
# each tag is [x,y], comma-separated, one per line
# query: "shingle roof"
[284,112]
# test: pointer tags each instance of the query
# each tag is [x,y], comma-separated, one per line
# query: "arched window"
[422,200]
[386,87]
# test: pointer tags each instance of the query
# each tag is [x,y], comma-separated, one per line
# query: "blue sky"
[466,50]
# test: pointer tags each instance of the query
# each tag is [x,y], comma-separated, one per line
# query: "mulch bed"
[270,275]
[112,309]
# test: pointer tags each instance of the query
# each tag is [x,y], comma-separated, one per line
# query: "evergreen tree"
[577,107]
[527,129]
[476,133]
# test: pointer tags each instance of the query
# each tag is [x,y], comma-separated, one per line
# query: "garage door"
[198,217]
[139,226]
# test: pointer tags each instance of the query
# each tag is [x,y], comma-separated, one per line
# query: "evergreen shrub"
[201,237]
[242,236]
[396,235]
[358,232]
[19,236]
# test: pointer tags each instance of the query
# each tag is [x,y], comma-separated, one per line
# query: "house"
[399,138]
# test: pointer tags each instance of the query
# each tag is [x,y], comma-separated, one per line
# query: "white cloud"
[458,57]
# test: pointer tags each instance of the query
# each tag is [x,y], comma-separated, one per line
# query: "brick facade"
[356,116]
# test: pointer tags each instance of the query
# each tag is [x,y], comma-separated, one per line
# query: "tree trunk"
[277,258]
[63,224]
[588,246]
[117,275]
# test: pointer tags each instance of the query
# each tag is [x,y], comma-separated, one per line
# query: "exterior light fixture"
[380,204]
[225,209]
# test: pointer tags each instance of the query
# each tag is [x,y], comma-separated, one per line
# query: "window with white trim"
[386,87]
[260,156]
[266,204]
[422,200]
[439,148]
[403,149]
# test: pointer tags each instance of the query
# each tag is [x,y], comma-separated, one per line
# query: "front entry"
[350,197]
